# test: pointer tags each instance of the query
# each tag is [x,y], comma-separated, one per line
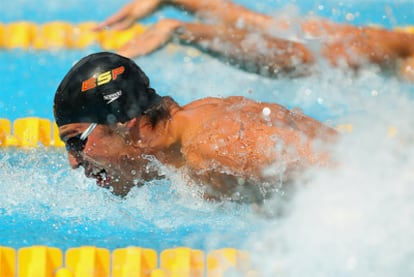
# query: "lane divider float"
[29,132]
[91,261]
[62,34]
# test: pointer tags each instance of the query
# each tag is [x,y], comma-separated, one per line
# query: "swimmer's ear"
[126,125]
[131,124]
[131,127]
[124,129]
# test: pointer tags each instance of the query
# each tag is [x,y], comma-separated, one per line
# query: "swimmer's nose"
[75,160]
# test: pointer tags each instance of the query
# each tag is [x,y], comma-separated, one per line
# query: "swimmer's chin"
[115,185]
[122,189]
[102,178]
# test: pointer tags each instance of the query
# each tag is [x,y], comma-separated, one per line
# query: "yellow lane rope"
[29,132]
[61,34]
[85,261]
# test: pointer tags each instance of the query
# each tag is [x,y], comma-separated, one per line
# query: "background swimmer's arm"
[223,11]
[127,15]
[258,53]
[153,38]
[253,52]
[226,12]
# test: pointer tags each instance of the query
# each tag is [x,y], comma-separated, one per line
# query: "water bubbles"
[266,112]
[320,100]
[349,17]
[241,181]
[307,91]
[187,59]
[351,263]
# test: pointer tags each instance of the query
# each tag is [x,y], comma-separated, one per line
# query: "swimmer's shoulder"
[214,101]
[202,102]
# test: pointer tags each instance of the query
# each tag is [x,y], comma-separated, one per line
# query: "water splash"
[44,202]
[354,219]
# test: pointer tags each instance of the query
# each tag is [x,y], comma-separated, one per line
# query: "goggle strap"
[88,131]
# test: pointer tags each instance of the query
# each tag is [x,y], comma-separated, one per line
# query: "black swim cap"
[103,88]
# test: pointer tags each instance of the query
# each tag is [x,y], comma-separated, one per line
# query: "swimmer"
[122,132]
[267,45]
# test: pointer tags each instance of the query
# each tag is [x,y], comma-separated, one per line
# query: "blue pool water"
[355,220]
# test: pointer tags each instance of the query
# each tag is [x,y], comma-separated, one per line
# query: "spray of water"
[353,219]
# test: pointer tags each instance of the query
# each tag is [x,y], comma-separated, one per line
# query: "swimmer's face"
[106,155]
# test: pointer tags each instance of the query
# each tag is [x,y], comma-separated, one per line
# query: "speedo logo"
[112,97]
[102,78]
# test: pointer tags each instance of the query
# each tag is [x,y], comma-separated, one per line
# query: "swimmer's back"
[239,134]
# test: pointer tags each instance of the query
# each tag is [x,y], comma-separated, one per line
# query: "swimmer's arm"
[228,13]
[223,11]
[217,173]
[126,16]
[151,39]
[253,52]
[233,15]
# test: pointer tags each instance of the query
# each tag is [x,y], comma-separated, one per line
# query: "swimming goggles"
[78,142]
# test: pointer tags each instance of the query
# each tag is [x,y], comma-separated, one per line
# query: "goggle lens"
[78,142]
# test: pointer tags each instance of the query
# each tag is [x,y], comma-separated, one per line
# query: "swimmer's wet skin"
[114,125]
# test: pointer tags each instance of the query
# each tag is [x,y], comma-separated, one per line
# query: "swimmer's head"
[103,88]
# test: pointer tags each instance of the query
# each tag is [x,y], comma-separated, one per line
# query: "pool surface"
[355,220]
